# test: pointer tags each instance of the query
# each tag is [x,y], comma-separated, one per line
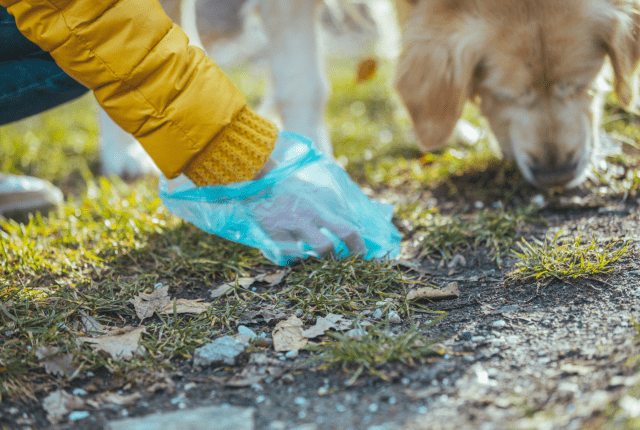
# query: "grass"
[566,259]
[495,229]
[376,347]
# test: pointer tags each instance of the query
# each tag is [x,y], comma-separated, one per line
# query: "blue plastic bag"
[305,206]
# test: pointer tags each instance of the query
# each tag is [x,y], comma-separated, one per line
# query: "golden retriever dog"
[537,69]
[534,66]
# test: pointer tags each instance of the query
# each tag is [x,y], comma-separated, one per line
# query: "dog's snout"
[553,175]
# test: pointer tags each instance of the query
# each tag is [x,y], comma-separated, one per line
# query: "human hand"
[304,205]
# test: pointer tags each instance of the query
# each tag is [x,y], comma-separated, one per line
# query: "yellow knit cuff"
[237,153]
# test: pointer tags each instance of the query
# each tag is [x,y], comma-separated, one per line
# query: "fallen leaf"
[366,70]
[91,326]
[184,306]
[448,292]
[120,344]
[323,324]
[60,403]
[146,304]
[228,286]
[54,363]
[273,278]
[119,399]
[288,335]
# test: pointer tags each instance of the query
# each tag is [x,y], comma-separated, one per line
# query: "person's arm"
[175,101]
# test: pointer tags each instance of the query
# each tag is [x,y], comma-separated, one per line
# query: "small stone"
[79,392]
[356,333]
[478,205]
[630,406]
[538,200]
[292,354]
[224,417]
[260,399]
[265,342]
[394,318]
[287,379]
[373,408]
[499,323]
[478,338]
[300,401]
[341,408]
[377,314]
[246,331]
[78,415]
[223,351]
[299,313]
[466,335]
[511,308]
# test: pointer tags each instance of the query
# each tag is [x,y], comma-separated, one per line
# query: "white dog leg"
[121,154]
[300,83]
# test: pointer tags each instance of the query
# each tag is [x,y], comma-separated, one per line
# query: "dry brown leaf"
[54,363]
[185,306]
[146,304]
[60,403]
[120,344]
[228,286]
[366,70]
[119,399]
[448,292]
[272,278]
[288,335]
[91,326]
[323,324]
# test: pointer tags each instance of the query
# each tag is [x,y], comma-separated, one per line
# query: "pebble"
[300,401]
[499,323]
[222,351]
[341,408]
[78,415]
[264,342]
[292,354]
[356,333]
[466,335]
[246,331]
[373,408]
[377,314]
[224,417]
[394,318]
[511,308]
[299,313]
[538,200]
[79,392]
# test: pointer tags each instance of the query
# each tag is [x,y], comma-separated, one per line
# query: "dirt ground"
[516,355]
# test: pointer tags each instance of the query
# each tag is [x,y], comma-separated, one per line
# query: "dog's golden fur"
[535,67]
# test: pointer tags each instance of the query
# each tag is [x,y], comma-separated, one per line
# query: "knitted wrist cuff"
[237,153]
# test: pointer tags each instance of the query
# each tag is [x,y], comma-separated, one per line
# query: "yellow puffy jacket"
[186,113]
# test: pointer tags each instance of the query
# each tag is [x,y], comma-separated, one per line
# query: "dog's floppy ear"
[436,72]
[620,38]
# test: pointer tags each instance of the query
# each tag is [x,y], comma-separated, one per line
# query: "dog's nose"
[554,176]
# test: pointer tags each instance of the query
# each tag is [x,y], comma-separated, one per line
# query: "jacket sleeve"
[179,105]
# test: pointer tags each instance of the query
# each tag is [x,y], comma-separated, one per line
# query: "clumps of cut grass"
[566,259]
[377,346]
[497,230]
